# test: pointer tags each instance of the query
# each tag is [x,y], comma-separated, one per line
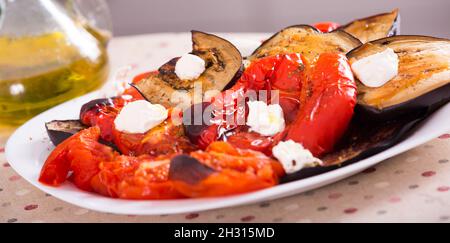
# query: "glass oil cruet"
[50,51]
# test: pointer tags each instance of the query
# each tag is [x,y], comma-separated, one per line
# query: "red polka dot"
[2,150]
[350,210]
[335,196]
[192,216]
[443,189]
[163,44]
[248,218]
[370,170]
[30,207]
[395,199]
[445,136]
[6,165]
[428,173]
[14,178]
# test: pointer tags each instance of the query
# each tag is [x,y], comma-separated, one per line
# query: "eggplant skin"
[374,27]
[306,40]
[58,131]
[419,107]
[422,84]
[95,103]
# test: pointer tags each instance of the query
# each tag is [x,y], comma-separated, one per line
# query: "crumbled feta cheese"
[293,156]
[264,119]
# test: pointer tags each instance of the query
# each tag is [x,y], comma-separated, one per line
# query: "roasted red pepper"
[317,100]
[223,170]
[328,101]
[96,167]
[282,73]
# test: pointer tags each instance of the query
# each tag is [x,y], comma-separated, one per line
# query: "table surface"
[411,187]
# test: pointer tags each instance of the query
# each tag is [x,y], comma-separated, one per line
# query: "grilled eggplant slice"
[374,27]
[306,40]
[58,131]
[422,84]
[223,62]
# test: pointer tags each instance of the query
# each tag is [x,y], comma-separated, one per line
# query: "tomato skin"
[208,136]
[250,140]
[328,101]
[142,177]
[256,76]
[56,167]
[103,117]
[164,139]
[237,171]
[97,168]
[81,154]
[291,106]
[280,72]
[288,73]
[326,27]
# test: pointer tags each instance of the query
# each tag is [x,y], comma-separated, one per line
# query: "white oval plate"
[29,146]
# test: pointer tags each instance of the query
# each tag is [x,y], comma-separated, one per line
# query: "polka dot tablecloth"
[411,187]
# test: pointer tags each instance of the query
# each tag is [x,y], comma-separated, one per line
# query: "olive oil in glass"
[56,59]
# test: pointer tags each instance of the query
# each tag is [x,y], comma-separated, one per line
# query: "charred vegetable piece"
[95,167]
[307,41]
[361,141]
[374,27]
[422,83]
[223,170]
[97,103]
[197,124]
[223,62]
[188,169]
[58,131]
[168,75]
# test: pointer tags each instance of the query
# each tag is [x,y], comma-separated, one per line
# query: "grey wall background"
[426,17]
